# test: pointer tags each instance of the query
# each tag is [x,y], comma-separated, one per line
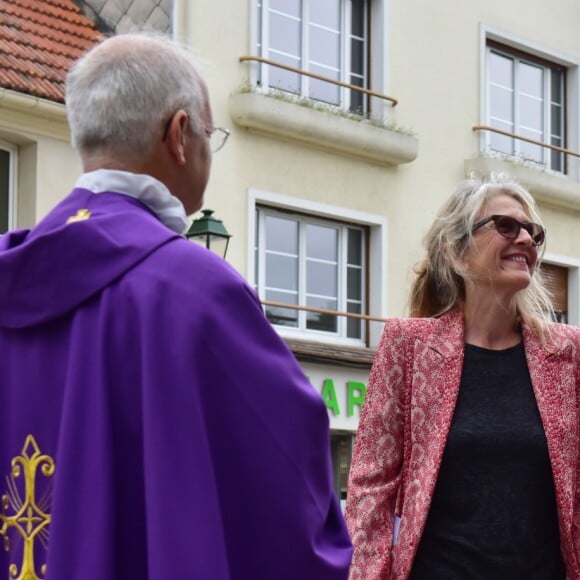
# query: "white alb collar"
[145,188]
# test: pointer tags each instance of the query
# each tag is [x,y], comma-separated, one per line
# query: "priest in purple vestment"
[152,423]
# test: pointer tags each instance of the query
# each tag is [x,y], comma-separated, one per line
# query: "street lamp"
[210,232]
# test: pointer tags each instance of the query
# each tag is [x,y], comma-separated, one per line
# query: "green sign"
[355,396]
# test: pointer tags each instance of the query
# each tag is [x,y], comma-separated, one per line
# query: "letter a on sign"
[329,396]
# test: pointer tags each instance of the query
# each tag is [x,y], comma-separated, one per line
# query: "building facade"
[351,121]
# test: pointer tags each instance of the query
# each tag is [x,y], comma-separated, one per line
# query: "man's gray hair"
[121,93]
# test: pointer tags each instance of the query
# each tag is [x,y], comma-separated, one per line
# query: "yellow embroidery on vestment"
[31,518]
[82,214]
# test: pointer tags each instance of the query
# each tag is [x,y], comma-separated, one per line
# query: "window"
[7,173]
[311,262]
[526,96]
[325,37]
[341,449]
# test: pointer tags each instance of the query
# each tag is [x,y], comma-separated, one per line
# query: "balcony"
[280,114]
[551,188]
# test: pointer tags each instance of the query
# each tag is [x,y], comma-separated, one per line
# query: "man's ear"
[177,136]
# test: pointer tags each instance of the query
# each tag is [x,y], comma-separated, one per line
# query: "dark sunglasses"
[510,227]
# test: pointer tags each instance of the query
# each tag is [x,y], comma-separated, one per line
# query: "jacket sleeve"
[375,473]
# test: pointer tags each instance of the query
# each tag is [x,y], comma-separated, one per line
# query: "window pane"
[282,79]
[355,247]
[556,160]
[324,47]
[281,235]
[358,18]
[321,279]
[357,100]
[323,90]
[4,189]
[321,242]
[282,316]
[501,69]
[357,55]
[501,143]
[557,86]
[281,272]
[501,104]
[530,151]
[287,6]
[320,321]
[531,113]
[354,325]
[284,34]
[531,80]
[556,120]
[260,29]
[354,284]
[325,12]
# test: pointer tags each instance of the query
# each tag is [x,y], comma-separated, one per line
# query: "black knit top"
[493,514]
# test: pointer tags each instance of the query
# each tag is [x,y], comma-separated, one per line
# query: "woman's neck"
[491,324]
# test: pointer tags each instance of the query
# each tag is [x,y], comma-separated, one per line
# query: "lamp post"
[210,232]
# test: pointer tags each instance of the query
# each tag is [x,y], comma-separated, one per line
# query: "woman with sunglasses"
[466,462]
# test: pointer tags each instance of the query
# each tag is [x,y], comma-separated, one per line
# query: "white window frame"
[546,130]
[341,265]
[378,51]
[572,96]
[573,267]
[12,150]
[376,267]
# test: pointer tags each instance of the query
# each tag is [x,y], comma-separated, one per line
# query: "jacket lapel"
[436,375]
[553,375]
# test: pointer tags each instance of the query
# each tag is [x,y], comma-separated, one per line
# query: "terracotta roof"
[39,40]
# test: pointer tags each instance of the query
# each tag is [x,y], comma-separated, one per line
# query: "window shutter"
[556,280]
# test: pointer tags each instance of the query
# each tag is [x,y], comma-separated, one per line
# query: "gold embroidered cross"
[82,214]
[32,516]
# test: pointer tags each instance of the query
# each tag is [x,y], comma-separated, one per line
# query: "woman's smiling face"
[504,265]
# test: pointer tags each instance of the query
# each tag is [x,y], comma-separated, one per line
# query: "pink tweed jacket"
[410,402]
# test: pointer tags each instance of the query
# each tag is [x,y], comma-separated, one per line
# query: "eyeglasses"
[510,227]
[217,138]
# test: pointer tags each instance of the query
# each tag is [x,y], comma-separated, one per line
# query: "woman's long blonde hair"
[439,286]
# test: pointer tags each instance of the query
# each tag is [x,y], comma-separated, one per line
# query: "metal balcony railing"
[526,139]
[299,71]
[366,317]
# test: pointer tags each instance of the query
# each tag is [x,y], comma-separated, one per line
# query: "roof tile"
[39,41]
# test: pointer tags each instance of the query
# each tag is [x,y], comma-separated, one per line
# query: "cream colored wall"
[434,72]
[47,165]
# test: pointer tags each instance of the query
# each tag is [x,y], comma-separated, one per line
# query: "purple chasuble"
[152,423]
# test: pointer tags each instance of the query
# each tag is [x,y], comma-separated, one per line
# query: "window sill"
[323,129]
[334,354]
[551,189]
